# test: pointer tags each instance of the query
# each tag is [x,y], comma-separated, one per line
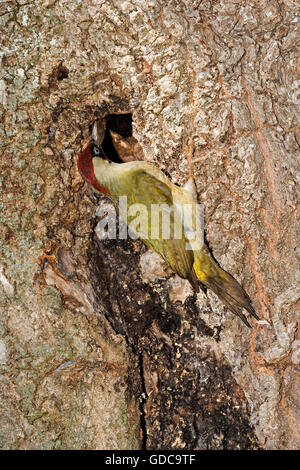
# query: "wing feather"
[148,190]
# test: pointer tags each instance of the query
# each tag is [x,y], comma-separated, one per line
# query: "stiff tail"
[225,286]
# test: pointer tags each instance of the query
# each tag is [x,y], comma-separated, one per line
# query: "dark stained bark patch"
[191,399]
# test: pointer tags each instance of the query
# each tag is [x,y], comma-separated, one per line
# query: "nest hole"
[121,124]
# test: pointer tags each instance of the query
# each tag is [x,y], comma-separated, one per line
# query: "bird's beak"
[98,133]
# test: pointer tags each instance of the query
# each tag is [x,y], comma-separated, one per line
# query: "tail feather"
[231,293]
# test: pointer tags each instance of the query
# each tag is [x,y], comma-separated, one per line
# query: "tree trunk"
[101,347]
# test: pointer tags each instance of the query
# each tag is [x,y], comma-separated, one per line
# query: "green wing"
[148,190]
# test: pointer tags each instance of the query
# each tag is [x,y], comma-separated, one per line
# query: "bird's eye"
[96,151]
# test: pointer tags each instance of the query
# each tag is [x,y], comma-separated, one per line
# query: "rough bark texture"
[100,346]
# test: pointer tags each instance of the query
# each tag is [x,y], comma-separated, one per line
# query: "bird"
[143,183]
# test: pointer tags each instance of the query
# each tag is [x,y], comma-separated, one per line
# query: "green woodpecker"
[141,182]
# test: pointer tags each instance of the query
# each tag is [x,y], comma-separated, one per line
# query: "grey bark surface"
[101,346]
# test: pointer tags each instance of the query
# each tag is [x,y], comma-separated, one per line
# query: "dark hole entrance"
[62,72]
[121,124]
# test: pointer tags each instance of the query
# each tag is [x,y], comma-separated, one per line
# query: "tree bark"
[101,347]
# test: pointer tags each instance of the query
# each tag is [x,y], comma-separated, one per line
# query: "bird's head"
[91,151]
